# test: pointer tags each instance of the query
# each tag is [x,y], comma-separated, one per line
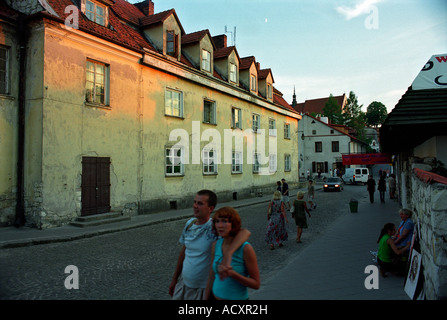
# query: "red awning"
[366,158]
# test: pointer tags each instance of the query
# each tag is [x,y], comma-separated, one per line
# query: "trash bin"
[353,205]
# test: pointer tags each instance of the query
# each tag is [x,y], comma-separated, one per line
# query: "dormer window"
[233,71]
[206,60]
[96,12]
[269,91]
[171,44]
[253,82]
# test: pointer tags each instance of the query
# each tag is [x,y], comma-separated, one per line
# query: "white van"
[356,175]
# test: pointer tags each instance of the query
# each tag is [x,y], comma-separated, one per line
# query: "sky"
[374,48]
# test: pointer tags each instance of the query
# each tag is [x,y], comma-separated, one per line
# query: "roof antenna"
[233,35]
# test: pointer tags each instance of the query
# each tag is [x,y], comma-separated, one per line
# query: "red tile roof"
[263,73]
[224,52]
[196,37]
[117,32]
[246,62]
[317,105]
[278,99]
[159,18]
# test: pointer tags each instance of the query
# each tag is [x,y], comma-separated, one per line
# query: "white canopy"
[433,75]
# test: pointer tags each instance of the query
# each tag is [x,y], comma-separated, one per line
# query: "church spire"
[294,103]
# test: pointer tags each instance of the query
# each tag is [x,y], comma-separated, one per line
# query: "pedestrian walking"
[278,186]
[311,195]
[382,188]
[276,232]
[244,272]
[371,187]
[195,256]
[285,193]
[299,214]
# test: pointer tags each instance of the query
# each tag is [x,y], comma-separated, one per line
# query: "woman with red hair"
[244,271]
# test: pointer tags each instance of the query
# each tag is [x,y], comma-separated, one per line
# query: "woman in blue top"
[244,271]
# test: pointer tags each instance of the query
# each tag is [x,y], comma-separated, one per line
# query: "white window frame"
[209,111]
[206,60]
[273,167]
[256,122]
[4,67]
[253,82]
[233,72]
[236,118]
[209,162]
[173,103]
[93,14]
[174,162]
[272,127]
[236,162]
[287,162]
[97,79]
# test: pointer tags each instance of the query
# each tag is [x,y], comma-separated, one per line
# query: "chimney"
[147,7]
[220,41]
[151,8]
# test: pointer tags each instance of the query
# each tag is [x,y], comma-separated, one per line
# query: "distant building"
[321,146]
[316,106]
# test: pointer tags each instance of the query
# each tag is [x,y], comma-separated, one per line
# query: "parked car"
[356,175]
[333,183]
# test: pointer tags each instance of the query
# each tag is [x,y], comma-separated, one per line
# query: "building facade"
[321,147]
[125,111]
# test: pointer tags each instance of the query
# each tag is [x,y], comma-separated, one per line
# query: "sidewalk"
[24,236]
[333,266]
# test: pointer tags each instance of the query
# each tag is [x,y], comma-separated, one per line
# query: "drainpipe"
[20,206]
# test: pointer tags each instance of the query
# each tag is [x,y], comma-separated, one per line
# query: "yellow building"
[124,111]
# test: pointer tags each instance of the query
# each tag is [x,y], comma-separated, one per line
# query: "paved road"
[138,264]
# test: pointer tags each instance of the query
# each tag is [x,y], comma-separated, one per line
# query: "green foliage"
[376,114]
[354,117]
[333,111]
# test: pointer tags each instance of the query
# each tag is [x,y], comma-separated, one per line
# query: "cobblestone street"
[139,263]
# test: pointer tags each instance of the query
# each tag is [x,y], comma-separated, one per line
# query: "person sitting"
[388,251]
[405,230]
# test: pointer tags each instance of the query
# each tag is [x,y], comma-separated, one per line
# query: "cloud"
[362,7]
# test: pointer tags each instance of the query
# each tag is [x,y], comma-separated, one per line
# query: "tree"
[376,114]
[352,110]
[332,110]
[354,117]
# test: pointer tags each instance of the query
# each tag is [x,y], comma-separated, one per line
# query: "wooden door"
[95,186]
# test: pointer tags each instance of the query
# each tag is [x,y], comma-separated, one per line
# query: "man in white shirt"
[195,256]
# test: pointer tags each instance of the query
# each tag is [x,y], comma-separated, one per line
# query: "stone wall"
[429,203]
